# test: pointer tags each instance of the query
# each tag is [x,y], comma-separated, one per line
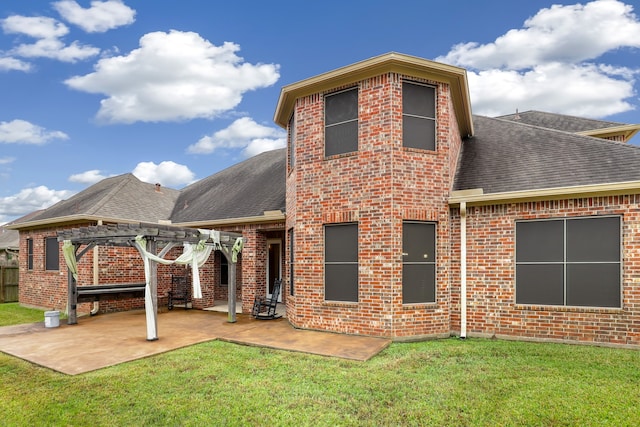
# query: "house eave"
[389,63]
[266,217]
[478,198]
[67,220]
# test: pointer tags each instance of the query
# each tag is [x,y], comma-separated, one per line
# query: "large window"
[29,254]
[224,270]
[341,122]
[52,254]
[341,262]
[569,262]
[418,116]
[418,262]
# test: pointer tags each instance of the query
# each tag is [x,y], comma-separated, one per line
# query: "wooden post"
[151,297]
[231,317]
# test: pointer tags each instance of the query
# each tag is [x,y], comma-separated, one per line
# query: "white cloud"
[167,173]
[7,160]
[88,177]
[100,17]
[548,64]
[23,132]
[38,27]
[8,63]
[242,133]
[31,199]
[48,33]
[173,76]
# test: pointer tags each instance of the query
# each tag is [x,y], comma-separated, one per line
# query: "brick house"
[395,212]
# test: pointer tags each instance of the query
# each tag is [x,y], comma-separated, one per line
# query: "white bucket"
[51,319]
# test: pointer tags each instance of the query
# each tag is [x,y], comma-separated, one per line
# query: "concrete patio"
[110,339]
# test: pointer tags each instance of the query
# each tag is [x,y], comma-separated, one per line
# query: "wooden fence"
[8,284]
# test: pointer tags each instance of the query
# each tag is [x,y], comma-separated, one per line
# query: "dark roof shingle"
[559,121]
[506,155]
[246,189]
[119,197]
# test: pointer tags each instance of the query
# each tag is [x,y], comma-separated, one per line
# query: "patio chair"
[265,308]
[180,291]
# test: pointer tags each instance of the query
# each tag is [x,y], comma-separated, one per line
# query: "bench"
[92,293]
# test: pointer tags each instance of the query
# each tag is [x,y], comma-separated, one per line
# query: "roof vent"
[517,116]
[158,187]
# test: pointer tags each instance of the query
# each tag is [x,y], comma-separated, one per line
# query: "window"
[52,254]
[224,270]
[341,122]
[418,262]
[570,262]
[292,141]
[29,254]
[418,116]
[291,254]
[341,262]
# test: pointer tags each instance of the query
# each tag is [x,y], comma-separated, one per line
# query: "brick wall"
[491,276]
[378,186]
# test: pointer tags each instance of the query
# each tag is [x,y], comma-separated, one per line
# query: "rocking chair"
[265,308]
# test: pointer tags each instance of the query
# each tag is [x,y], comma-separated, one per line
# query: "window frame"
[29,254]
[341,263]
[51,260]
[570,267]
[337,147]
[291,135]
[412,116]
[291,260]
[411,260]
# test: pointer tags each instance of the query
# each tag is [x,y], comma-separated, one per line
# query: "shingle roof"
[120,197]
[243,190]
[559,121]
[9,239]
[506,155]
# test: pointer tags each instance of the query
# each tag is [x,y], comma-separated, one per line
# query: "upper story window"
[292,141]
[418,116]
[341,122]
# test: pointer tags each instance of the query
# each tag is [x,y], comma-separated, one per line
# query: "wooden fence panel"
[9,284]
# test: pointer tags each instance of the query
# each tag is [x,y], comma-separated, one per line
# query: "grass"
[444,383]
[14,314]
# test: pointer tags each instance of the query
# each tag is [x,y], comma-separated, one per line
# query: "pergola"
[147,238]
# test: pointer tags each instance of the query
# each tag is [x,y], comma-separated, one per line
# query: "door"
[274,264]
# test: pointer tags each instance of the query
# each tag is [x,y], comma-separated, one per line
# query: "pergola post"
[231,288]
[151,297]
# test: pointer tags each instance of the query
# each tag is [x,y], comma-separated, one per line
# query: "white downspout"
[463,270]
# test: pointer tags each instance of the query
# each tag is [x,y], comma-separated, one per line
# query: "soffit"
[455,77]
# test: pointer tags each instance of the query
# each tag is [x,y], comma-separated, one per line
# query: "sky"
[174,91]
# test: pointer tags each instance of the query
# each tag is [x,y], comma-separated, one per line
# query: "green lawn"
[443,383]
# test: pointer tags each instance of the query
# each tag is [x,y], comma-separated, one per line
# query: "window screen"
[341,122]
[52,252]
[341,262]
[418,116]
[573,262]
[29,254]
[418,262]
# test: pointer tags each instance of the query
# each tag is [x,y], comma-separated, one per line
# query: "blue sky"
[177,90]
